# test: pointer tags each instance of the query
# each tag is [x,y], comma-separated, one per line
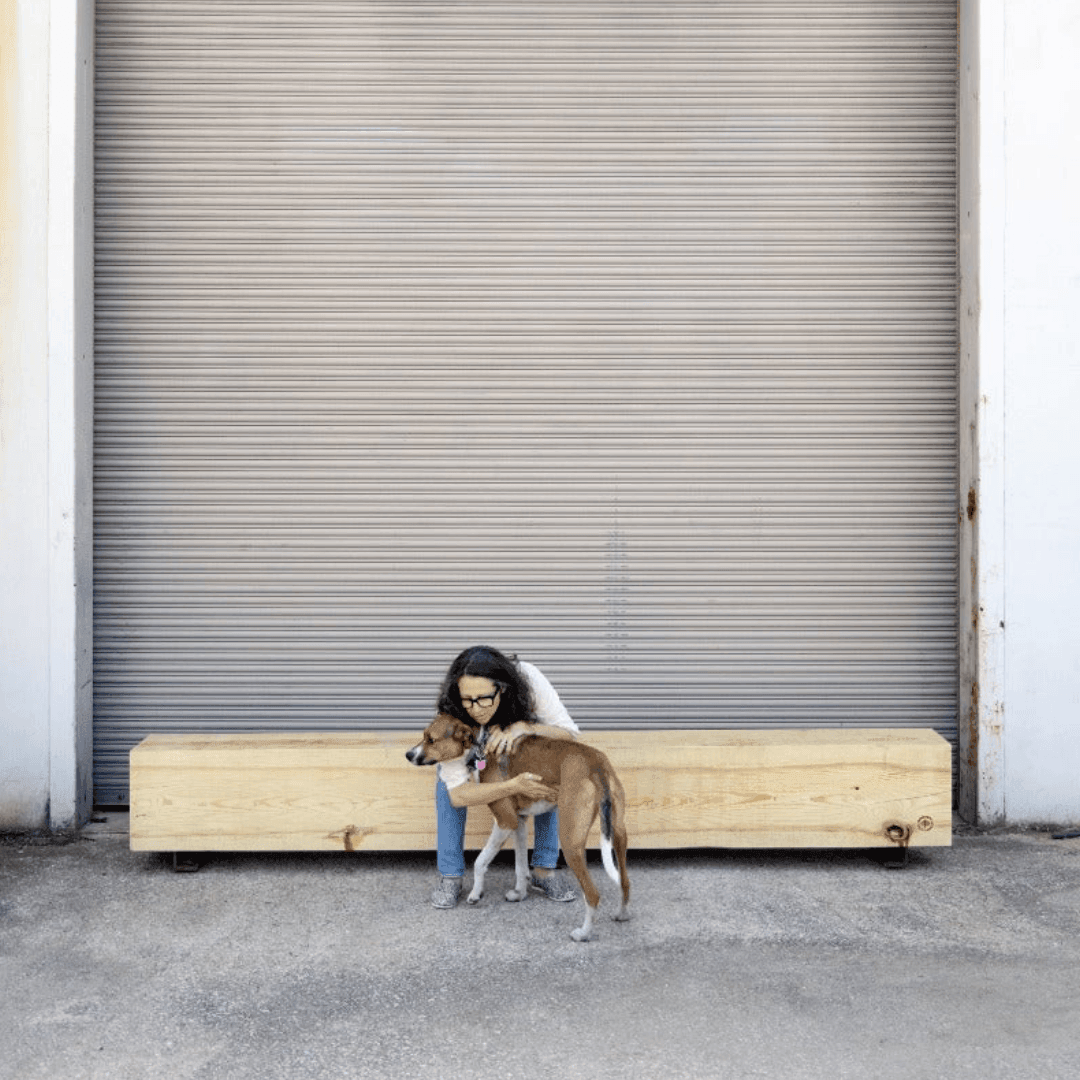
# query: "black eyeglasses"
[484,702]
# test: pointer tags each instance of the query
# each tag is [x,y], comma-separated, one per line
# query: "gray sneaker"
[554,887]
[446,893]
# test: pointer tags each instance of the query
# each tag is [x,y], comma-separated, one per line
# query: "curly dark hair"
[515,700]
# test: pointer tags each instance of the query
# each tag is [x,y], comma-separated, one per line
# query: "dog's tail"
[605,833]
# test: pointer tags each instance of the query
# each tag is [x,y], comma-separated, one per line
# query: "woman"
[509,699]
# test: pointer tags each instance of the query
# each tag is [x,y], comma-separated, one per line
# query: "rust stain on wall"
[973,728]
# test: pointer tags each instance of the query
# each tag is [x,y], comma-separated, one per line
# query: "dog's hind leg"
[624,878]
[584,931]
[575,859]
[574,827]
[619,840]
[483,861]
[521,863]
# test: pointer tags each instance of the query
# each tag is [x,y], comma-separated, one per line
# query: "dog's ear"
[445,726]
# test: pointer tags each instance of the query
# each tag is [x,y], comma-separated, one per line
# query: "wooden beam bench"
[834,788]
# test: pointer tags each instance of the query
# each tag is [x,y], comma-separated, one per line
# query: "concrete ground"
[785,965]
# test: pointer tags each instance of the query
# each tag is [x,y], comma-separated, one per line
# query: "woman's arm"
[502,742]
[527,784]
[548,705]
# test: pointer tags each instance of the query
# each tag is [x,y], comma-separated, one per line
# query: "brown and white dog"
[586,786]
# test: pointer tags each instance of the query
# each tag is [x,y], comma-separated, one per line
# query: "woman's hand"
[500,742]
[532,787]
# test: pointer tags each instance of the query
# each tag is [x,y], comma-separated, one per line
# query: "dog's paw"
[622,915]
[473,898]
[581,934]
[514,895]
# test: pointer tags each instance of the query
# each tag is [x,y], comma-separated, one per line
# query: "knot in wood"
[898,832]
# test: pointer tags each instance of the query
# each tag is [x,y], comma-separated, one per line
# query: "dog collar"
[476,758]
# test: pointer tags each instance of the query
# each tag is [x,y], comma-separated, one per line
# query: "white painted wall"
[24,420]
[981,488]
[46,384]
[1041,328]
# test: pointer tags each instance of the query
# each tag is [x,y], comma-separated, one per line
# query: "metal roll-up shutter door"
[621,335]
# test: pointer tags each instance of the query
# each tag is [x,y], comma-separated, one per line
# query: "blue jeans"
[450,826]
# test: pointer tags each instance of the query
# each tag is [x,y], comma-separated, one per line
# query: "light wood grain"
[335,791]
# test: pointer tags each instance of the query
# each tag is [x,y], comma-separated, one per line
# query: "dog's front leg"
[521,863]
[483,860]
